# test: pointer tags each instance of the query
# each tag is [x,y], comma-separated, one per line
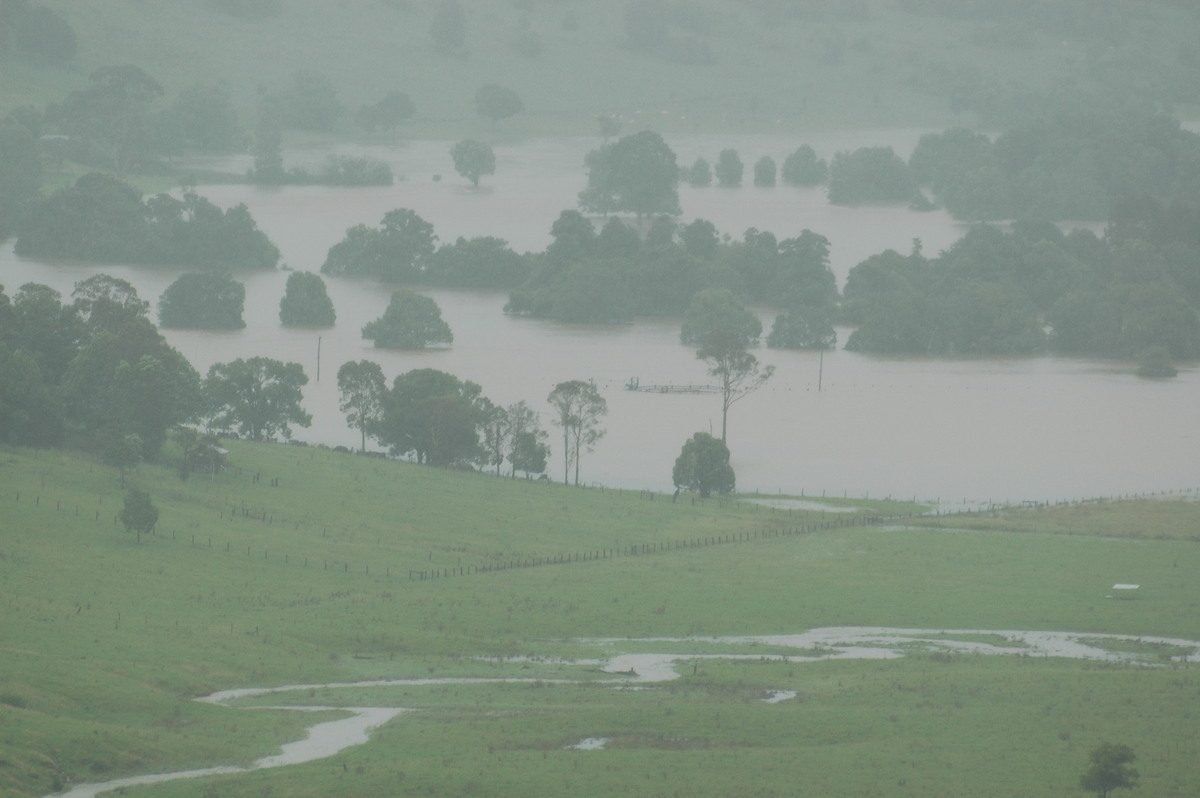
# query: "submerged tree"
[306,302]
[411,321]
[473,159]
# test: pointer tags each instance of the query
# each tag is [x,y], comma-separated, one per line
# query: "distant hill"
[704,65]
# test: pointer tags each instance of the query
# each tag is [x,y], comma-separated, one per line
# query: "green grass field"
[294,568]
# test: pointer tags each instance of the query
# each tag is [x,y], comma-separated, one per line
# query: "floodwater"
[643,669]
[949,430]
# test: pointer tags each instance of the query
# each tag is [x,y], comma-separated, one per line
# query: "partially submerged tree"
[578,407]
[703,466]
[729,168]
[203,301]
[473,159]
[497,102]
[411,321]
[637,173]
[306,302]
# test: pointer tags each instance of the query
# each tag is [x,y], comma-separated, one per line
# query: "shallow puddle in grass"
[642,670]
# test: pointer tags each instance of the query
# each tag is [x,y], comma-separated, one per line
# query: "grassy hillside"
[301,565]
[773,65]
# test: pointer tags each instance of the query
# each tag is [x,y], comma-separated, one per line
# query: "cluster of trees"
[403,250]
[801,168]
[615,275]
[101,218]
[215,301]
[93,371]
[440,420]
[996,292]
[1073,164]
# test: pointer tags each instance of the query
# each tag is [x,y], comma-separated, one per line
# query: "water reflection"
[950,429]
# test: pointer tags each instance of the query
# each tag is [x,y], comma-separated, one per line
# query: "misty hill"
[732,65]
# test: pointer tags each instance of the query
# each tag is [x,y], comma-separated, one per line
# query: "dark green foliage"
[206,118]
[700,239]
[120,449]
[305,302]
[870,174]
[203,301]
[473,159]
[700,173]
[729,168]
[31,413]
[35,34]
[138,513]
[637,173]
[802,328]
[1072,165]
[411,321]
[100,218]
[362,388]
[387,114]
[703,466]
[578,408]
[1111,769]
[109,120]
[804,168]
[259,398]
[20,174]
[497,102]
[617,240]
[482,262]
[397,251]
[433,416]
[764,171]
[716,314]
[346,170]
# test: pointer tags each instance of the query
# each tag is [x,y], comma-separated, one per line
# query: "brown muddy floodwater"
[948,430]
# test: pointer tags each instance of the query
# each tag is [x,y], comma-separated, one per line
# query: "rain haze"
[384,359]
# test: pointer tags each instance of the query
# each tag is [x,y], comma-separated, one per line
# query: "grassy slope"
[890,69]
[105,640]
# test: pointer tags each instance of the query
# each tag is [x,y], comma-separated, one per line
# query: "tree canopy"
[578,408]
[1111,769]
[637,173]
[433,416]
[411,321]
[203,301]
[259,398]
[473,159]
[306,302]
[703,466]
[397,251]
[497,102]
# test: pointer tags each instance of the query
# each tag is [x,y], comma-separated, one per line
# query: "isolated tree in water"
[578,407]
[473,159]
[703,466]
[411,321]
[1111,769]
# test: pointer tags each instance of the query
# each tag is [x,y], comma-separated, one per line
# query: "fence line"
[241,511]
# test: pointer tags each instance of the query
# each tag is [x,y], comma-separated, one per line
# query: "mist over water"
[952,429]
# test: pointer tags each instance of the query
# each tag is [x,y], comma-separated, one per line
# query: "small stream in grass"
[630,669]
